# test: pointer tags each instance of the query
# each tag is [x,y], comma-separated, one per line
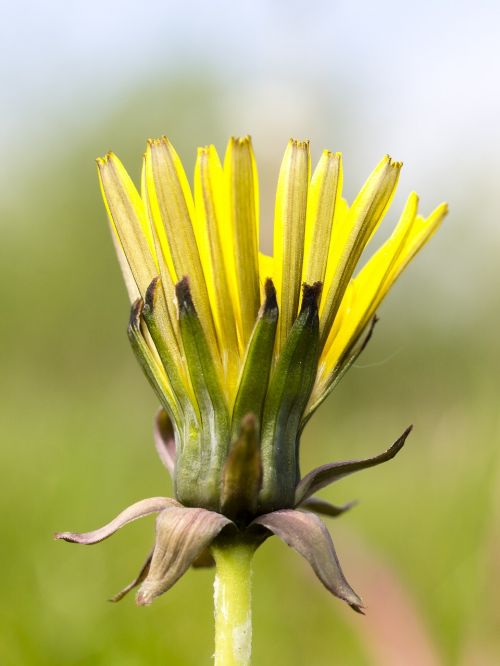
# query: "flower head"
[241,348]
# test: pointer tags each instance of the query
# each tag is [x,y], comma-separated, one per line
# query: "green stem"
[233,602]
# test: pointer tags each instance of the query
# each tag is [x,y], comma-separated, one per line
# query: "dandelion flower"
[241,348]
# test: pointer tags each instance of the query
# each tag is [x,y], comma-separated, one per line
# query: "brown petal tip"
[183,294]
[310,296]
[270,302]
[135,314]
[151,293]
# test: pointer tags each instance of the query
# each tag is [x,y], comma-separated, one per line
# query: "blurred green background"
[423,546]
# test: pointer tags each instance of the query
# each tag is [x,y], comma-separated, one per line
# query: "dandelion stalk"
[233,602]
[241,349]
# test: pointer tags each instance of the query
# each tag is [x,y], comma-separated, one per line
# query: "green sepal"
[199,465]
[346,361]
[254,378]
[289,391]
[148,362]
[242,473]
[155,314]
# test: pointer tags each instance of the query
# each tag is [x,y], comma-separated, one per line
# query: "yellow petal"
[160,241]
[350,237]
[128,218]
[242,187]
[128,277]
[324,193]
[167,273]
[421,232]
[366,291]
[266,267]
[214,243]
[289,233]
[172,209]
[379,274]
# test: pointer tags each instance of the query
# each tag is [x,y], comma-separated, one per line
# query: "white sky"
[417,79]
[437,62]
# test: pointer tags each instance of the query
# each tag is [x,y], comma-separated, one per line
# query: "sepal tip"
[183,294]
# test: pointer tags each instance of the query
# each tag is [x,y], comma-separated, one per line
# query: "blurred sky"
[435,63]
[417,80]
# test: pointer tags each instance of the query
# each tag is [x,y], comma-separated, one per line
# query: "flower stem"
[233,602]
